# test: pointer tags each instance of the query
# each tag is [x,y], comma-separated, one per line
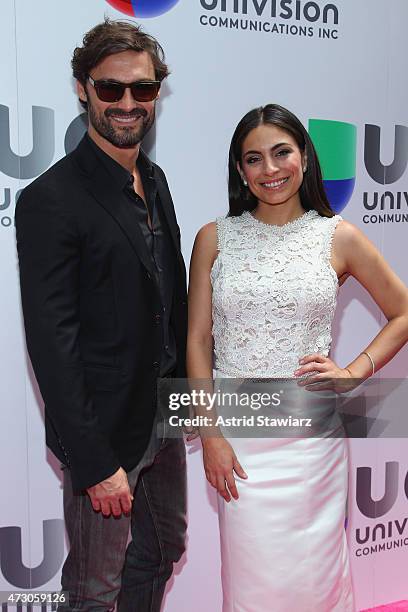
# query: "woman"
[263,288]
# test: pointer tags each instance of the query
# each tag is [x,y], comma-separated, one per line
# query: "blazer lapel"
[99,185]
[168,210]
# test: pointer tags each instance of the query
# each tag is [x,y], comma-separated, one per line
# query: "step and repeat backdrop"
[341,67]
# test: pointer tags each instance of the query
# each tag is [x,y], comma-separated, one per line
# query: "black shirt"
[157,239]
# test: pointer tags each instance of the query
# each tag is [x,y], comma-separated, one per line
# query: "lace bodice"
[274,294]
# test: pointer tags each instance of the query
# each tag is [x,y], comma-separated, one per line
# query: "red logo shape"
[124,6]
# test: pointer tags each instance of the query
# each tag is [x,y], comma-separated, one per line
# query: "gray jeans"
[100,568]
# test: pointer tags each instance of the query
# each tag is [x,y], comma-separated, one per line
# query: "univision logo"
[13,567]
[390,532]
[143,8]
[336,145]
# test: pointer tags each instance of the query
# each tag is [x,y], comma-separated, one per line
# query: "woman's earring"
[304,169]
[245,181]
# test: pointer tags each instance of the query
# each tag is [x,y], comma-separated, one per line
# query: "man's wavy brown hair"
[111,37]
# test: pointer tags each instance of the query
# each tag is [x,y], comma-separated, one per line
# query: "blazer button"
[157,318]
[156,365]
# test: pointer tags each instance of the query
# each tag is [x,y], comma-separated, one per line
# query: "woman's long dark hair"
[312,193]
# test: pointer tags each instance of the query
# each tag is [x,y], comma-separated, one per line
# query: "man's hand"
[112,495]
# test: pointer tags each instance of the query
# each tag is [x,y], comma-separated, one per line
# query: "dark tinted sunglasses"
[111,91]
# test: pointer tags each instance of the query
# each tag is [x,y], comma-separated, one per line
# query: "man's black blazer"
[92,314]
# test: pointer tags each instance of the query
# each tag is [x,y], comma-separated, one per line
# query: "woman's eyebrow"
[280,144]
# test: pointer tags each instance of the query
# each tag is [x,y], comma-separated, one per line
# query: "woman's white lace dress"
[283,542]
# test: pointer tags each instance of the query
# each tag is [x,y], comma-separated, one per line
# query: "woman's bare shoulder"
[205,244]
[347,233]
[207,237]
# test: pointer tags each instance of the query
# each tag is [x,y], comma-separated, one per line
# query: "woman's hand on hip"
[322,374]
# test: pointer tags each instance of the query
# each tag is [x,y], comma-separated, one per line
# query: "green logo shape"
[336,146]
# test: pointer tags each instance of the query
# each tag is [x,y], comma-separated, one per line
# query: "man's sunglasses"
[111,91]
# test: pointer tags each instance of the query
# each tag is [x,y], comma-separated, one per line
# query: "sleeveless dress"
[283,542]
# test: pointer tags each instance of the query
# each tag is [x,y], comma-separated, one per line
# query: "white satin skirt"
[283,542]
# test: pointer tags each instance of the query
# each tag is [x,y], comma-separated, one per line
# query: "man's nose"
[127,102]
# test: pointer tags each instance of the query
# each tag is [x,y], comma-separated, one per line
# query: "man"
[104,302]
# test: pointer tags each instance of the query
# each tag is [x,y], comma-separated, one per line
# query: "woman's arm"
[354,254]
[219,458]
[367,265]
[200,341]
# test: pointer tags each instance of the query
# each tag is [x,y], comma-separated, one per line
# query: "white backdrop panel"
[218,74]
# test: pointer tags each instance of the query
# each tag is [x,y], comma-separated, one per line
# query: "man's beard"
[123,137]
